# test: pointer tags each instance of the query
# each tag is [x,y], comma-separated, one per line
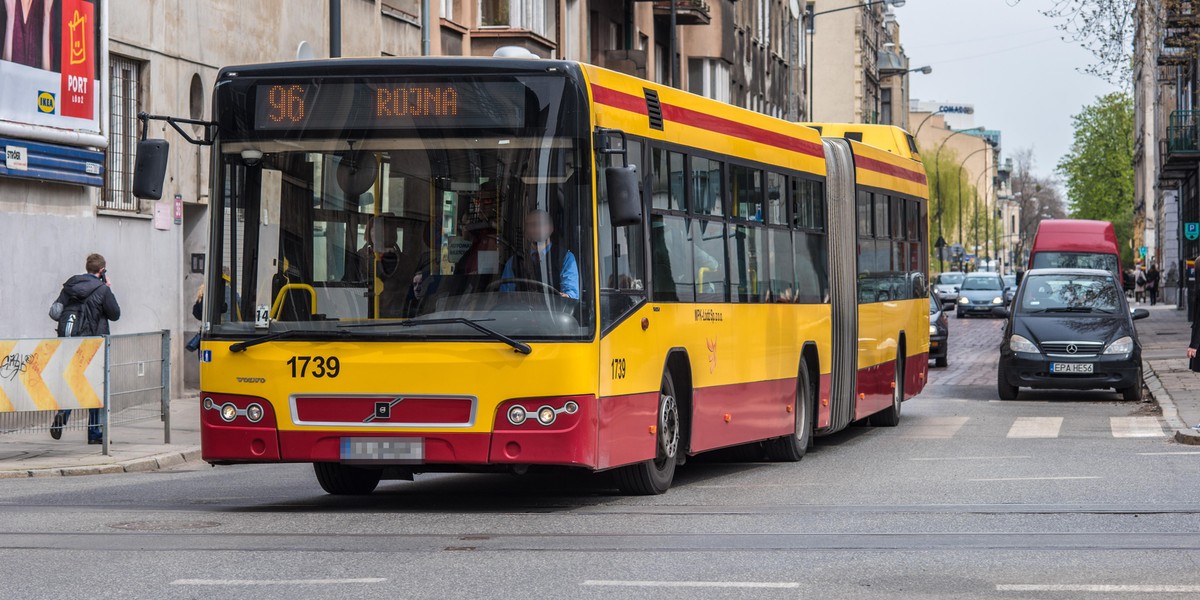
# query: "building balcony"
[687,12]
[1181,150]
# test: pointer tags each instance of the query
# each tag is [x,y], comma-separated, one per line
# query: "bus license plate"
[380,450]
[1064,368]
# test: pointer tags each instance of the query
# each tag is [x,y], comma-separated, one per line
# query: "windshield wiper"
[279,335]
[519,346]
[1085,309]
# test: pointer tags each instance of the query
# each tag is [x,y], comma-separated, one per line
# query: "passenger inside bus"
[543,264]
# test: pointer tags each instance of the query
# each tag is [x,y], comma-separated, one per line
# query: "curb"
[134,465]
[1183,433]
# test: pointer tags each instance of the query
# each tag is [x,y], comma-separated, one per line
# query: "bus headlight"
[254,413]
[571,407]
[208,404]
[516,415]
[546,415]
[228,412]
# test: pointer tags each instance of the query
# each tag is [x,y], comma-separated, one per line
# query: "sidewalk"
[1165,336]
[136,446]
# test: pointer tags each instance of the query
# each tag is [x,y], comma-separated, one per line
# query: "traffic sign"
[1191,231]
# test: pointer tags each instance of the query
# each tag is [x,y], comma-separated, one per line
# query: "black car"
[939,331]
[1071,329]
[981,294]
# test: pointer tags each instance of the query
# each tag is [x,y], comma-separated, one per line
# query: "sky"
[1008,60]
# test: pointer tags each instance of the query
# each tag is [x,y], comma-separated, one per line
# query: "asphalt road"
[1055,495]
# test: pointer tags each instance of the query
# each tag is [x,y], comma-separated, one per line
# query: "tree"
[1098,169]
[947,186]
[1103,27]
[1037,198]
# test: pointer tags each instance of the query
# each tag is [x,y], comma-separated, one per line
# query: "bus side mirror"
[150,169]
[624,195]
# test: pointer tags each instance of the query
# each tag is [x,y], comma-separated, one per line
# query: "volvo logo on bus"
[383,410]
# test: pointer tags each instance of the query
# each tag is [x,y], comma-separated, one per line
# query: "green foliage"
[1098,169]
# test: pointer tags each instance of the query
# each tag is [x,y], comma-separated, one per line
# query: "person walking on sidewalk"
[1139,283]
[88,304]
[1152,279]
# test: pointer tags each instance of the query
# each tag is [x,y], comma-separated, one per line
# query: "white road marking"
[1121,589]
[1035,427]
[693,584]
[967,457]
[756,485]
[934,427]
[1035,478]
[277,581]
[1168,453]
[1130,427]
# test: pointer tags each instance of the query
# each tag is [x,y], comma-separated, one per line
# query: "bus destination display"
[401,105]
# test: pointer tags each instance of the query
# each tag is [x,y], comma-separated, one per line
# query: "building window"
[885,103]
[124,102]
[448,9]
[531,15]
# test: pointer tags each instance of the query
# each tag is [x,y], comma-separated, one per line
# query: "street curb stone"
[1183,433]
[136,465]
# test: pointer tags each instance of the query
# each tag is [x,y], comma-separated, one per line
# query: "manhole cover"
[164,525]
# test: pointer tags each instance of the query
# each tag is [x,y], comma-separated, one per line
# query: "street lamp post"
[988,226]
[922,124]
[937,177]
[811,29]
[975,221]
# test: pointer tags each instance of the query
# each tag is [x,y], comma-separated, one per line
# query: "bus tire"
[345,480]
[891,416]
[792,448]
[653,477]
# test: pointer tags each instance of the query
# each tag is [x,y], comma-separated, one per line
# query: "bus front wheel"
[345,480]
[654,476]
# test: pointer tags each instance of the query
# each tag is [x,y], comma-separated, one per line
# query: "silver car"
[947,287]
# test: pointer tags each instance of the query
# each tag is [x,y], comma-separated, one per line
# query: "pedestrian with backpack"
[84,307]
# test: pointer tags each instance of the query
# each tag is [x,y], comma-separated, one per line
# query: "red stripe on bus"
[728,415]
[693,118]
[621,100]
[879,166]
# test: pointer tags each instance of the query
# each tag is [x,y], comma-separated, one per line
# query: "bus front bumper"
[570,440]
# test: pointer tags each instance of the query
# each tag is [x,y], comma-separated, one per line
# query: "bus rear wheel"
[793,447]
[654,476]
[345,480]
[891,416]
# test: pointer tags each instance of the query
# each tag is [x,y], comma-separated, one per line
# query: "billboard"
[50,63]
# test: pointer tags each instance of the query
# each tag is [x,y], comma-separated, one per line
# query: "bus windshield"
[439,222]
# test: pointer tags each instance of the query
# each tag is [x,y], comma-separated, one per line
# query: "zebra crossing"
[1025,427]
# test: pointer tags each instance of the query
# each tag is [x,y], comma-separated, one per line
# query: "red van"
[1076,244]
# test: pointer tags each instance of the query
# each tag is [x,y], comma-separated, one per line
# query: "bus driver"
[542,260]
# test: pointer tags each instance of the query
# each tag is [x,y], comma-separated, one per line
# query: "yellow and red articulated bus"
[465,264]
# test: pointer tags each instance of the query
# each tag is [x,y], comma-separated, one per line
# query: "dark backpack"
[74,320]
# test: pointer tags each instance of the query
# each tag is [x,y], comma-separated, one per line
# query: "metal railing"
[1183,131]
[137,387]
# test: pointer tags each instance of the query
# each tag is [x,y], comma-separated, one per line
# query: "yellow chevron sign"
[51,374]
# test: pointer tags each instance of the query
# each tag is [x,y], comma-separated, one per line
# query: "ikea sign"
[45,103]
